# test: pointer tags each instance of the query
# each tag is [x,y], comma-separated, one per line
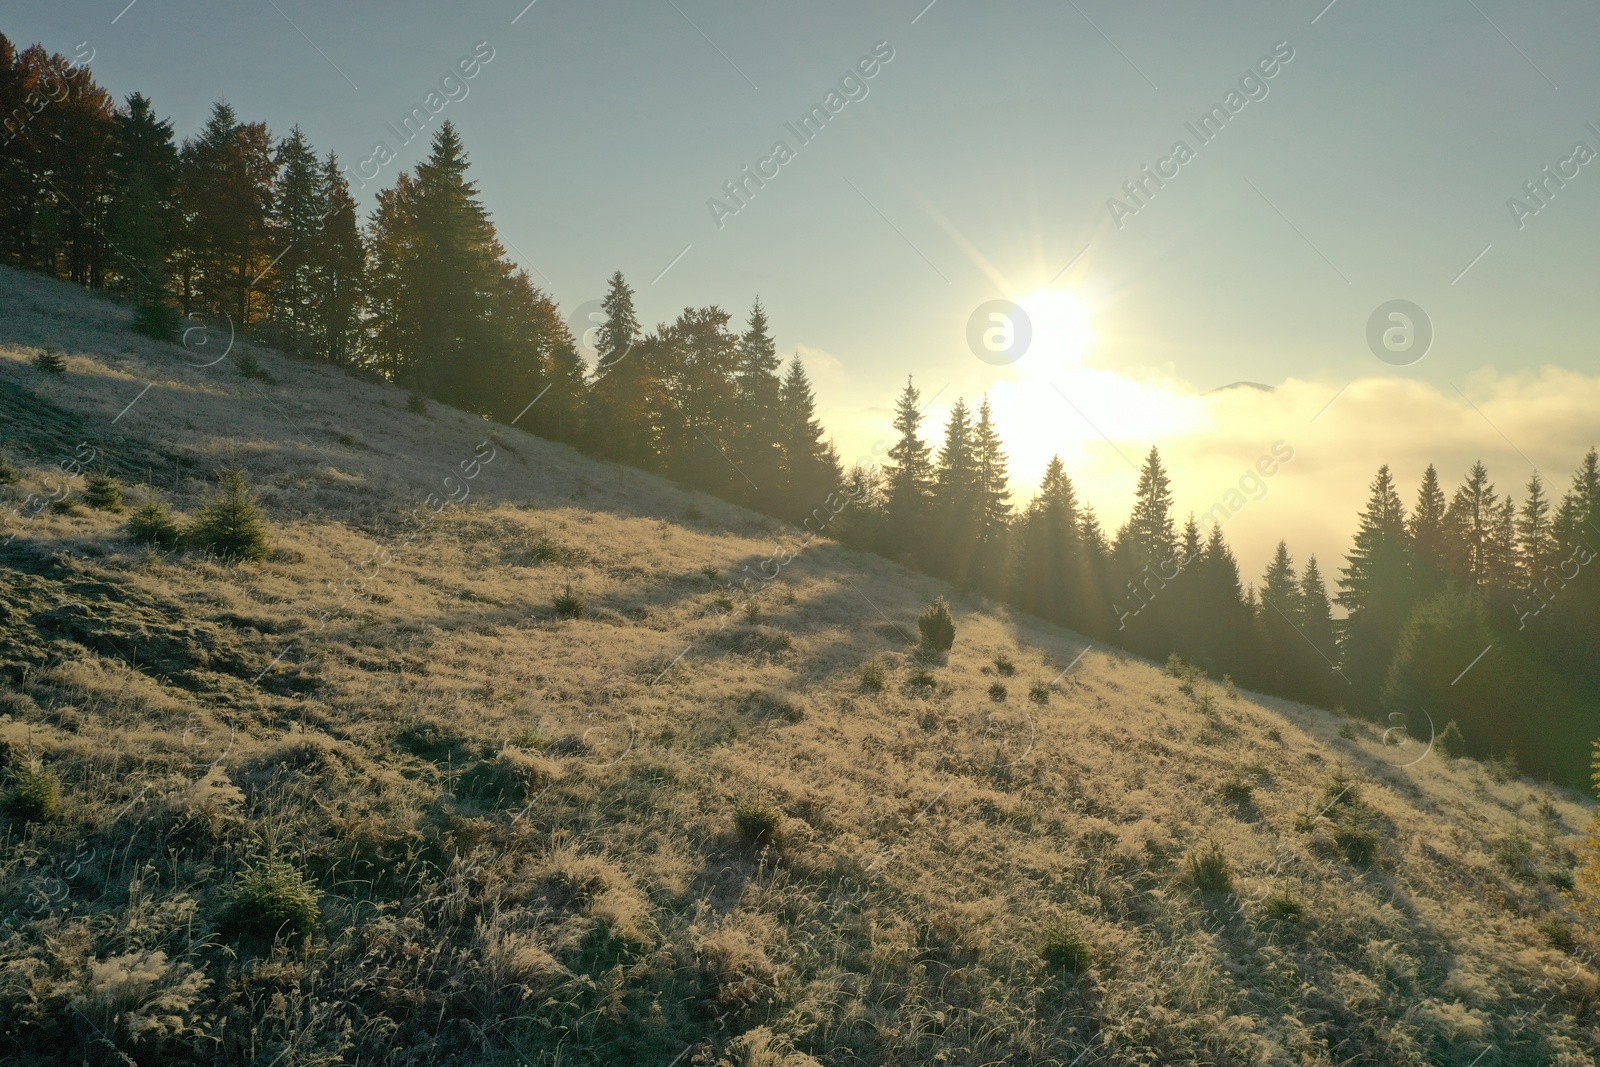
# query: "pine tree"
[1578,519]
[142,213]
[1320,683]
[396,246]
[226,191]
[460,270]
[623,396]
[1225,627]
[1149,532]
[231,525]
[1278,621]
[339,269]
[909,496]
[992,498]
[1376,590]
[695,400]
[1428,533]
[1049,561]
[758,422]
[300,205]
[956,504]
[1536,543]
[809,463]
[1469,526]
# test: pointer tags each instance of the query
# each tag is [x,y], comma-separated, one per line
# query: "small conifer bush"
[269,901]
[35,794]
[50,361]
[568,605]
[102,493]
[231,525]
[1208,870]
[756,822]
[152,524]
[1065,949]
[938,627]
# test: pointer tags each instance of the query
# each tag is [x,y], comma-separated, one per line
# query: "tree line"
[236,222]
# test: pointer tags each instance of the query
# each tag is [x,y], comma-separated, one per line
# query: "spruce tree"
[1376,591]
[1049,562]
[624,388]
[1320,684]
[1536,542]
[460,270]
[1428,534]
[956,504]
[758,422]
[1149,531]
[992,499]
[339,270]
[1278,622]
[300,204]
[909,477]
[226,187]
[809,464]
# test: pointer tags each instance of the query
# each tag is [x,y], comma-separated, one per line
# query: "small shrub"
[568,605]
[756,822]
[1005,666]
[1065,949]
[152,524]
[1039,694]
[250,367]
[752,613]
[231,525]
[1208,870]
[693,513]
[102,493]
[723,603]
[349,441]
[64,506]
[922,679]
[417,404]
[1357,841]
[997,692]
[1274,734]
[270,901]
[873,676]
[938,627]
[1237,788]
[1504,769]
[1282,908]
[8,473]
[35,794]
[711,572]
[50,361]
[1451,744]
[1350,731]
[1558,935]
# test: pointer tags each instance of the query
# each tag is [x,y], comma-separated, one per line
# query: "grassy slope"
[524,830]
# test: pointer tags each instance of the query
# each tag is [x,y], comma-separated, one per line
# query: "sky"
[1370,154]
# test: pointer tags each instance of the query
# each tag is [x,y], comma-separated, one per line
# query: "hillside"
[687,827]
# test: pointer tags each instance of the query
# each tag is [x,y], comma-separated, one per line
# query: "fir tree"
[624,387]
[909,475]
[992,504]
[339,267]
[1376,590]
[758,423]
[226,188]
[1536,542]
[956,503]
[1278,621]
[1428,533]
[300,205]
[1049,561]
[810,465]
[231,525]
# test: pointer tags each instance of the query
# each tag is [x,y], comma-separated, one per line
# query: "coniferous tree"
[226,190]
[623,392]
[1278,620]
[299,209]
[810,466]
[1470,527]
[909,476]
[1536,542]
[460,271]
[339,270]
[395,342]
[1428,534]
[956,505]
[1321,682]
[758,427]
[695,359]
[1376,591]
[992,497]
[1225,627]
[1049,578]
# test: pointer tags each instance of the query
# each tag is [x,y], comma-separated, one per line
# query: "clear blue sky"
[978,165]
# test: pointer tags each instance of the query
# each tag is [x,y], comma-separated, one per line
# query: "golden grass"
[525,830]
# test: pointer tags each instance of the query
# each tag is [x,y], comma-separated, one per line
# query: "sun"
[1062,331]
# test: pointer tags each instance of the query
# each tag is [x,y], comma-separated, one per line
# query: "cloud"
[1340,433]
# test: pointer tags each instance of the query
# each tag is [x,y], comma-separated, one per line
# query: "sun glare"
[1062,333]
